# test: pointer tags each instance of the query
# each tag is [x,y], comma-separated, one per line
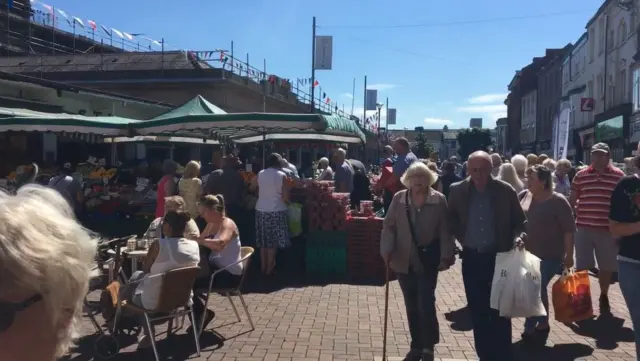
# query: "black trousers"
[419,292]
[491,333]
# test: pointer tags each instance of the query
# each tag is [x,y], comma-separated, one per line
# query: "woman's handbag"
[428,254]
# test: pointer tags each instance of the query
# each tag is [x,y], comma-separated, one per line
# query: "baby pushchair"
[110,257]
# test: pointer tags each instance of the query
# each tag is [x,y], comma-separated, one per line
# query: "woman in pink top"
[166,185]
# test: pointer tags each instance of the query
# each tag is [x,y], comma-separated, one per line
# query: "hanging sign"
[323,56]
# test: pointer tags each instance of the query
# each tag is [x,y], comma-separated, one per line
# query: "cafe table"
[136,256]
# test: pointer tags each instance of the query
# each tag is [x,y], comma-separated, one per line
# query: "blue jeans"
[548,269]
[628,275]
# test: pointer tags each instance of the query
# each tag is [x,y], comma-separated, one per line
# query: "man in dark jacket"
[485,216]
[448,177]
[361,190]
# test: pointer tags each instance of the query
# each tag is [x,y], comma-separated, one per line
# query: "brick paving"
[337,322]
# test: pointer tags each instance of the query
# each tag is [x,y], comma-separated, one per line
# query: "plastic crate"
[326,262]
[327,239]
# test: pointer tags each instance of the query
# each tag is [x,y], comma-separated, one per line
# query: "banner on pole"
[391,116]
[372,99]
[323,57]
[561,133]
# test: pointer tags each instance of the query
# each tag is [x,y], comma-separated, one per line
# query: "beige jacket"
[432,225]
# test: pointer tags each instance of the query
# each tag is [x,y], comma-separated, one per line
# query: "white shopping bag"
[515,290]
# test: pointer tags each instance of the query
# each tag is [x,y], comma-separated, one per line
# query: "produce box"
[326,254]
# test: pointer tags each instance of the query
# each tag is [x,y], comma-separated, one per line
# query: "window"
[592,43]
[602,32]
[623,86]
[622,32]
[636,90]
[599,91]
[590,89]
[612,91]
[611,41]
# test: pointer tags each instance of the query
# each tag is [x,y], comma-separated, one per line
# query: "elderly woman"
[521,163]
[532,160]
[190,187]
[561,181]
[46,259]
[509,174]
[173,203]
[496,162]
[550,230]
[326,171]
[416,243]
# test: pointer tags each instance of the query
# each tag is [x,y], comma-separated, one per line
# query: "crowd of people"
[490,205]
[434,211]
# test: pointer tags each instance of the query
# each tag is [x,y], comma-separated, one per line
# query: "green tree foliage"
[422,149]
[473,139]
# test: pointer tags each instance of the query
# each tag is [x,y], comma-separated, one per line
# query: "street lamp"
[379,108]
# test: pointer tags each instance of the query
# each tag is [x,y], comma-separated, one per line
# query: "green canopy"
[24,120]
[253,127]
[195,106]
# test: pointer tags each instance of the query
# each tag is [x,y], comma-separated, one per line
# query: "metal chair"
[245,258]
[174,300]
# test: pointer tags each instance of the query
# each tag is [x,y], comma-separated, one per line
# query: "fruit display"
[363,248]
[326,210]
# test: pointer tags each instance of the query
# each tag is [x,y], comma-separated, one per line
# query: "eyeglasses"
[9,310]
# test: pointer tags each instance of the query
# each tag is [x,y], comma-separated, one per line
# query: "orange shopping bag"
[571,295]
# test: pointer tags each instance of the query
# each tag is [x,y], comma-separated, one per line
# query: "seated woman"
[222,238]
[175,204]
[167,253]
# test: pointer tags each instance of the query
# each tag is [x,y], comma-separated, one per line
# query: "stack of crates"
[326,254]
[363,249]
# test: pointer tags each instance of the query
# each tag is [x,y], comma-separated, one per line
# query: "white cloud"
[483,109]
[436,121]
[347,95]
[488,98]
[381,87]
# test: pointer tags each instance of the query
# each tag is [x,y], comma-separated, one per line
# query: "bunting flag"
[328,101]
[315,83]
[65,16]
[324,95]
[77,20]
[127,35]
[117,32]
[92,24]
[106,30]
[49,8]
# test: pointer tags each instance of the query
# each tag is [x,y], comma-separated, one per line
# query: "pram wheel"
[106,346]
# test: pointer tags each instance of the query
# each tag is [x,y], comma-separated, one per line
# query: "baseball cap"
[600,147]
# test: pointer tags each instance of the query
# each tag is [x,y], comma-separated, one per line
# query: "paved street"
[344,322]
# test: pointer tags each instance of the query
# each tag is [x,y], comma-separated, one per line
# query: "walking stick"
[386,312]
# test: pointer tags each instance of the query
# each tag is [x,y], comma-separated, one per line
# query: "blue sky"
[454,66]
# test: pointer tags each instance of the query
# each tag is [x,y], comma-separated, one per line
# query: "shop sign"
[610,129]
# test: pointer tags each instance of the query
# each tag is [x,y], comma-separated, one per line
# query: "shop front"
[612,127]
[634,131]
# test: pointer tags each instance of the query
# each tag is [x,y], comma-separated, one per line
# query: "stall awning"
[251,127]
[24,120]
[195,106]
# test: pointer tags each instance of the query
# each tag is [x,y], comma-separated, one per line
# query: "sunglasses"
[9,310]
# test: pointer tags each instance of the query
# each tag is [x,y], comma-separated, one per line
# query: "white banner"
[323,57]
[561,133]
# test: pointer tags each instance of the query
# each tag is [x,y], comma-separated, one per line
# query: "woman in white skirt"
[272,225]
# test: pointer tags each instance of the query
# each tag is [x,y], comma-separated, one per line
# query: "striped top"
[593,195]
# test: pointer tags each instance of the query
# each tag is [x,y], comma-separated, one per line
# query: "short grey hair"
[564,163]
[418,169]
[341,152]
[45,251]
[520,163]
[550,164]
[323,161]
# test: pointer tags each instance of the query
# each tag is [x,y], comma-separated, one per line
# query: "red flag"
[315,83]
[272,79]
[328,100]
[92,24]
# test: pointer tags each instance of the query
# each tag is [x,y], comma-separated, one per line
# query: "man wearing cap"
[591,196]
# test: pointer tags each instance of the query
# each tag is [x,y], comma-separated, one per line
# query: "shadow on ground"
[460,319]
[562,352]
[607,330]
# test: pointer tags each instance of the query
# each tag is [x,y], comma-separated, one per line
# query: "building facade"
[611,48]
[529,110]
[501,136]
[548,100]
[576,95]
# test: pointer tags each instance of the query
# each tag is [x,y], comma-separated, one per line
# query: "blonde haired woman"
[550,164]
[190,187]
[46,258]
[507,173]
[521,164]
[417,245]
[561,183]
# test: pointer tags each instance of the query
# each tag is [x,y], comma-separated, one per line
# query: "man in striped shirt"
[591,196]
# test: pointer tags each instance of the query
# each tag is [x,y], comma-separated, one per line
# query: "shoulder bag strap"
[411,227]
